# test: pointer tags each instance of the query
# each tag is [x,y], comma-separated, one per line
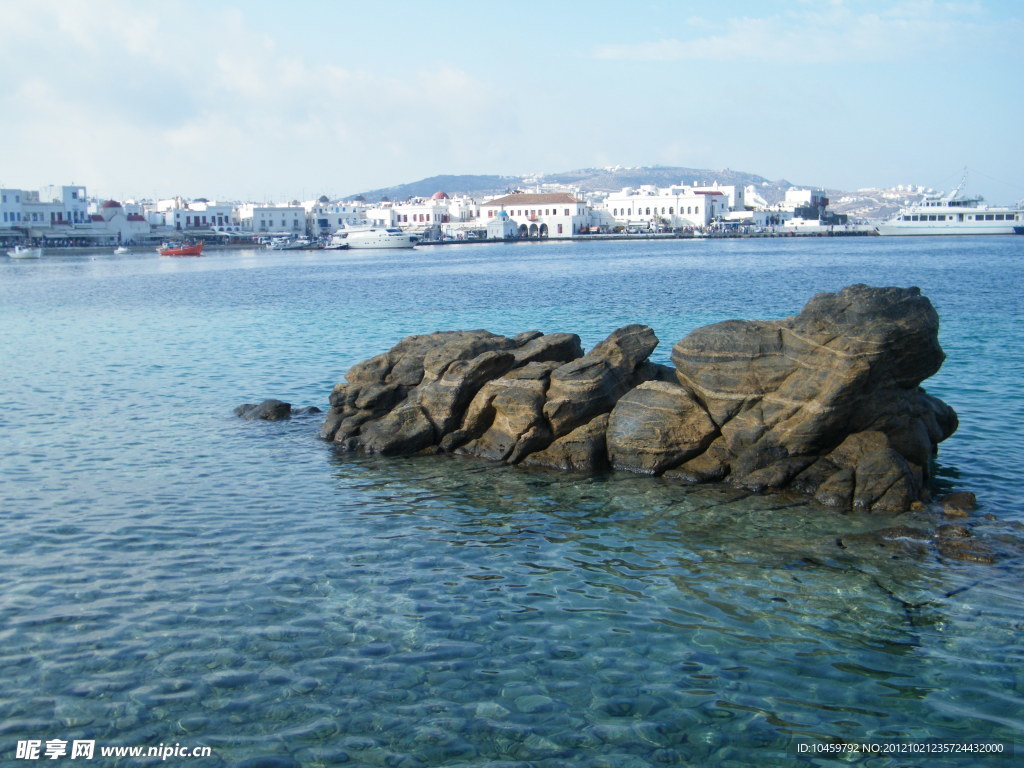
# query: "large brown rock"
[415,395]
[784,393]
[592,384]
[657,426]
[506,418]
[827,402]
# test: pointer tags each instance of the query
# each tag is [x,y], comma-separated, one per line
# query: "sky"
[272,101]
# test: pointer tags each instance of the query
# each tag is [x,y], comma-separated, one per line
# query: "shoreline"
[94,249]
[657,236]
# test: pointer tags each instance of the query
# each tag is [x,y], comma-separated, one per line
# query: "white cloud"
[833,33]
[159,100]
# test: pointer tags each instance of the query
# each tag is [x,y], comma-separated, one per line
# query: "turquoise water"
[175,575]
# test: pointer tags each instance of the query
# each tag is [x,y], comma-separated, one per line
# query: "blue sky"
[271,100]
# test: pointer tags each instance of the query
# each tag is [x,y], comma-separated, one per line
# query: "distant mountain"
[475,186]
[585,179]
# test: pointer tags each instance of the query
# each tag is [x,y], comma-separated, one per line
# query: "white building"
[112,224]
[11,201]
[74,204]
[557,214]
[501,227]
[382,215]
[420,214]
[51,206]
[273,219]
[222,217]
[37,213]
[651,208]
[326,218]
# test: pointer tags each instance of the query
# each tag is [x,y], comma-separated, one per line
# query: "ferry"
[954,214]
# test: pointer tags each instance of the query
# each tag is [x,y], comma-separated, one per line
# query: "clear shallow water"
[172,574]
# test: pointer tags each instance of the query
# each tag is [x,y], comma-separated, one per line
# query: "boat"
[954,214]
[292,244]
[377,237]
[181,249]
[338,242]
[122,249]
[25,252]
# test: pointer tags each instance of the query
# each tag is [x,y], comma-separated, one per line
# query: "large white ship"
[373,237]
[954,214]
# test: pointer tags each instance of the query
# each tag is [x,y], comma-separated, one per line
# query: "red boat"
[180,249]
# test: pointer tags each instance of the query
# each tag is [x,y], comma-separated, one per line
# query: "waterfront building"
[50,206]
[37,212]
[461,208]
[382,215]
[277,219]
[72,200]
[652,208]
[557,214]
[325,218]
[111,223]
[421,214]
[202,215]
[801,207]
[501,227]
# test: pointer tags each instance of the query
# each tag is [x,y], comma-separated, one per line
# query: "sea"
[238,593]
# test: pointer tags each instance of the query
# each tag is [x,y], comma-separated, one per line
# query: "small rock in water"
[959,503]
[268,410]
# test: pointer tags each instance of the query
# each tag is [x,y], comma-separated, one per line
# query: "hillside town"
[67,216]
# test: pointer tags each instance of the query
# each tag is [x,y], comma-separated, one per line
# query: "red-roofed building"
[552,214]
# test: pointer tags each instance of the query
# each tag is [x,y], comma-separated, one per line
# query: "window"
[566,211]
[559,229]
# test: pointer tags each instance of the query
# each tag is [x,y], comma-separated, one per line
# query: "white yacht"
[375,237]
[954,214]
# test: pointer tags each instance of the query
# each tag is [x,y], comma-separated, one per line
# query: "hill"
[859,204]
[585,179]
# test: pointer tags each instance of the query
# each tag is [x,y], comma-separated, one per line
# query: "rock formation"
[827,402]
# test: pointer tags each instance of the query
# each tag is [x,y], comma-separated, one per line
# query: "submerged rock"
[827,401]
[268,410]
